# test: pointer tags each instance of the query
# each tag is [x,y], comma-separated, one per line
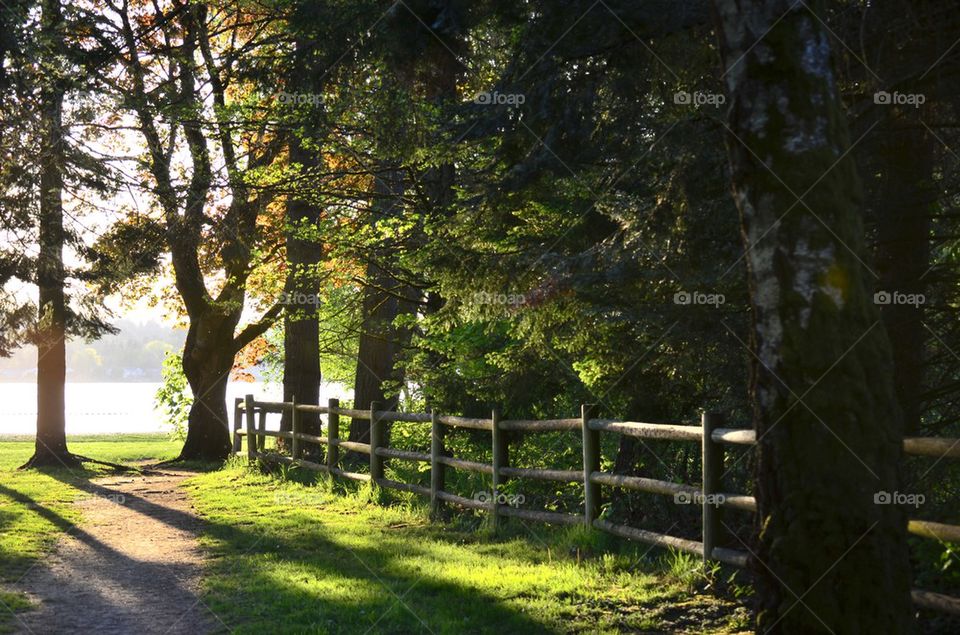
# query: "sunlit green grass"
[292,557]
[37,506]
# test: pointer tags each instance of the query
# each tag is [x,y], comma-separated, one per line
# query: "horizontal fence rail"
[250,423]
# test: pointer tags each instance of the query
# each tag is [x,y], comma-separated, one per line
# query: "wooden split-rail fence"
[250,418]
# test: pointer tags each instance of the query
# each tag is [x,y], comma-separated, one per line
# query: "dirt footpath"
[133,565]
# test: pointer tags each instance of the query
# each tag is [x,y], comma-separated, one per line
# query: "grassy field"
[289,554]
[35,507]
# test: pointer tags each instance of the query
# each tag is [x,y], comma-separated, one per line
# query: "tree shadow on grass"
[314,582]
[308,575]
[13,563]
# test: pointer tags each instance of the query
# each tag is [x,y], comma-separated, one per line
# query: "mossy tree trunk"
[829,559]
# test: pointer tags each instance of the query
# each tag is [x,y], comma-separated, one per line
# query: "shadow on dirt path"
[133,567]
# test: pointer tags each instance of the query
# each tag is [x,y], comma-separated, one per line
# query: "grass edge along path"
[293,557]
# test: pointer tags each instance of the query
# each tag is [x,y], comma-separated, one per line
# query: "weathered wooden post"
[262,427]
[712,462]
[376,440]
[500,460]
[237,440]
[333,434]
[591,464]
[251,438]
[436,468]
[295,424]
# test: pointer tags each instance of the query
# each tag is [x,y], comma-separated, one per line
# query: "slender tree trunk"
[207,361]
[380,341]
[375,357]
[829,558]
[51,441]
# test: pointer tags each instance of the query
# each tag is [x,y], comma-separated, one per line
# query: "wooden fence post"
[712,462]
[376,430]
[436,468]
[237,439]
[251,438]
[333,435]
[295,425]
[262,427]
[501,459]
[591,464]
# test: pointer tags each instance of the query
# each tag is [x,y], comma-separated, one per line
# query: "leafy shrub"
[174,397]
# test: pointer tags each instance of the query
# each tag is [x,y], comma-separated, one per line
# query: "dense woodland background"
[465,205]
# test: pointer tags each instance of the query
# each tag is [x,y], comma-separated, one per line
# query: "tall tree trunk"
[208,356]
[375,357]
[301,326]
[905,197]
[383,301]
[829,558]
[301,371]
[51,440]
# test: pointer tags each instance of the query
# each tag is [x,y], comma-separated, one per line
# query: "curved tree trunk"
[207,361]
[829,558]
[212,341]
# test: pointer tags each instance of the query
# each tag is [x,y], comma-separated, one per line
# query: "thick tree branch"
[258,328]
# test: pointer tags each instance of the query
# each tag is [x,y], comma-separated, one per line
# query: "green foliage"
[544,244]
[339,313]
[129,249]
[337,310]
[44,66]
[173,397]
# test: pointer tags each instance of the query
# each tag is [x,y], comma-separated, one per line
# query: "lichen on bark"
[826,414]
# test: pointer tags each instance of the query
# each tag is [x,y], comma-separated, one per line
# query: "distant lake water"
[109,408]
